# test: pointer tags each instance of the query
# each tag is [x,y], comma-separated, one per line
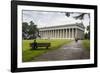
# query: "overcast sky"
[45,19]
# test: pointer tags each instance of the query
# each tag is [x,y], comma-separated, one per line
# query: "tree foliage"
[24,30]
[80,16]
[30,31]
[25,27]
[87,35]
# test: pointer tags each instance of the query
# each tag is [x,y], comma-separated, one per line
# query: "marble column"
[76,33]
[66,33]
[53,33]
[57,33]
[48,34]
[72,33]
[45,34]
[69,33]
[60,33]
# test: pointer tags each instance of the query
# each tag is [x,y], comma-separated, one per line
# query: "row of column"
[59,33]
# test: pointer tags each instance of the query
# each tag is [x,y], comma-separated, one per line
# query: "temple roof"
[76,24]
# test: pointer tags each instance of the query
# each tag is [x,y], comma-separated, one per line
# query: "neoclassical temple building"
[68,31]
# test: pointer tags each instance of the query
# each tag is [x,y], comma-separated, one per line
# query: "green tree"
[88,29]
[33,30]
[24,30]
[87,34]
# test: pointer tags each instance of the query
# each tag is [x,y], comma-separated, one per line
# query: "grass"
[86,44]
[29,55]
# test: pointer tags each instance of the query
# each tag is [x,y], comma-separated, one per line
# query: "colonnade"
[69,33]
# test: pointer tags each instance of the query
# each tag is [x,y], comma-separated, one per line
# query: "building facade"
[69,31]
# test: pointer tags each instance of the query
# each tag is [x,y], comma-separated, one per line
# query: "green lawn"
[86,44]
[29,55]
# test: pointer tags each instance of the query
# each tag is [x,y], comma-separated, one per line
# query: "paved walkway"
[71,51]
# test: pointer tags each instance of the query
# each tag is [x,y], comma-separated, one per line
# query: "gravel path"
[72,51]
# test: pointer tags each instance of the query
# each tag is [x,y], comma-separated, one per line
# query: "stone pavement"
[72,51]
